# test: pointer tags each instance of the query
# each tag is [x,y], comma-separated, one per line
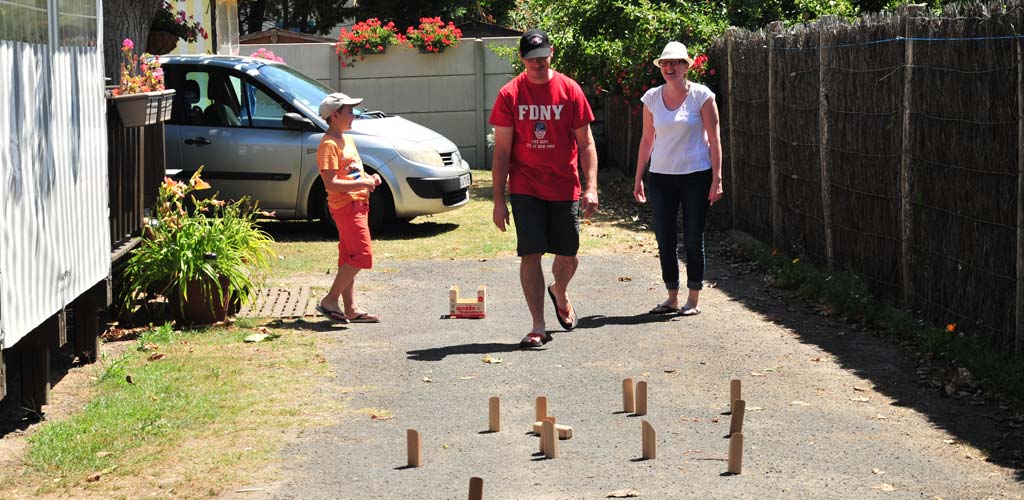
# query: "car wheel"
[382,207]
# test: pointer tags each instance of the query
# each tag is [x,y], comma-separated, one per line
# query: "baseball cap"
[334,101]
[534,43]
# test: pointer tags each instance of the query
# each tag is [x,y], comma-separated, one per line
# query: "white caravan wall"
[54,222]
[451,92]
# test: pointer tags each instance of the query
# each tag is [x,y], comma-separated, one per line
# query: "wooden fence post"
[481,105]
[824,39]
[730,41]
[905,208]
[773,168]
[1019,337]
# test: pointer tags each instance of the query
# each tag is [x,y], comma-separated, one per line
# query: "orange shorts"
[353,235]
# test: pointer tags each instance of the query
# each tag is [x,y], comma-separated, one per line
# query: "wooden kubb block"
[564,431]
[467,308]
[415,448]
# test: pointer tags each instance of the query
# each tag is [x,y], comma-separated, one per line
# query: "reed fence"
[892,147]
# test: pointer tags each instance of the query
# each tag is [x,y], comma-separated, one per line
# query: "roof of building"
[277,35]
[480,29]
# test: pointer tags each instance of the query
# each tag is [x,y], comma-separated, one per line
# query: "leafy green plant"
[216,245]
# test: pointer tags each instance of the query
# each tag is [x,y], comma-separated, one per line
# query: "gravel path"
[831,412]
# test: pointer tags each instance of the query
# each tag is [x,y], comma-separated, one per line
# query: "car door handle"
[198,140]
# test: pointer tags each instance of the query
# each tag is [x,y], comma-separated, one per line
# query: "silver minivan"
[253,125]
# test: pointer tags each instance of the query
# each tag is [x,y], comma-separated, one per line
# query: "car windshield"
[305,89]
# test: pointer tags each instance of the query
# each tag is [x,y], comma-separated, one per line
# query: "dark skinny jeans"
[667,194]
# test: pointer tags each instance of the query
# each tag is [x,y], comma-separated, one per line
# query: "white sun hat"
[674,50]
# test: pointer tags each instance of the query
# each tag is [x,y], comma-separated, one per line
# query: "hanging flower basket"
[161,42]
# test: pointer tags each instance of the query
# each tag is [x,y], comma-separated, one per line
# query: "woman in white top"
[682,142]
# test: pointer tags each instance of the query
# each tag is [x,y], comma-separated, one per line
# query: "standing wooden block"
[476,488]
[641,398]
[538,429]
[549,439]
[739,407]
[494,414]
[650,445]
[541,408]
[736,453]
[415,448]
[627,396]
[734,391]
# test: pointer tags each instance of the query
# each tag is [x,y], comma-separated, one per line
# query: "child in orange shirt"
[348,197]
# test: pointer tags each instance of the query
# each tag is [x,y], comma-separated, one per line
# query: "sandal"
[364,317]
[534,339]
[663,309]
[689,311]
[333,315]
[567,325]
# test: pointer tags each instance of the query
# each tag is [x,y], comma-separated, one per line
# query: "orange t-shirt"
[331,156]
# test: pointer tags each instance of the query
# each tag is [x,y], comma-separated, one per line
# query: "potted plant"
[366,37]
[432,35]
[200,259]
[168,27]
[141,98]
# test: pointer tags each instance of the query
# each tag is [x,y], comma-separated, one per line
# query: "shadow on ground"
[981,422]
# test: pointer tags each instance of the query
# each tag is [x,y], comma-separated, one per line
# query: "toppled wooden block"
[467,308]
[564,431]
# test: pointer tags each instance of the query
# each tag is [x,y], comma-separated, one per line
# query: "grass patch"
[464,233]
[179,413]
[847,295]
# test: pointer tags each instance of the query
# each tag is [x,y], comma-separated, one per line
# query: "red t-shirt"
[544,116]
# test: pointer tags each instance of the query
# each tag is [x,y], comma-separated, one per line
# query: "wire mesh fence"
[891,147]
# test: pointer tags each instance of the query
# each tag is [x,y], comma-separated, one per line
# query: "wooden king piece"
[541,409]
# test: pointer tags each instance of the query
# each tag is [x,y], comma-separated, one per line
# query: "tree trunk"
[125,19]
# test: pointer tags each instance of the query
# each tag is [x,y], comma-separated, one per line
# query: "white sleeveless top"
[680,142]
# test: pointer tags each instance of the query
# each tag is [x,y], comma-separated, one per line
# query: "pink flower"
[127,44]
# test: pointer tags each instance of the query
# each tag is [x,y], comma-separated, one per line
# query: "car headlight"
[419,154]
[456,159]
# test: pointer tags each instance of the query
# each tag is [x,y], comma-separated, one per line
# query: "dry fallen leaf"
[877,472]
[427,380]
[670,370]
[101,454]
[622,494]
[491,360]
[949,441]
[860,399]
[374,416]
[94,477]
[755,374]
[625,278]
[468,377]
[880,417]
[884,487]
[859,389]
[755,408]
[156,356]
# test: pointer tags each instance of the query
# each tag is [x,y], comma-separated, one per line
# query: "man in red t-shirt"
[541,125]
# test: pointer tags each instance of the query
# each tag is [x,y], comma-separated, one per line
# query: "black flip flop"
[336,316]
[663,309]
[575,317]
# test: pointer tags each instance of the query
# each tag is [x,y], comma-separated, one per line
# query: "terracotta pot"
[202,308]
[161,42]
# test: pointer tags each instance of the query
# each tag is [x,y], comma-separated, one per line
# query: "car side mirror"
[295,121]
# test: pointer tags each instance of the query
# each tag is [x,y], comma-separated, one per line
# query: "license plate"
[464,181]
